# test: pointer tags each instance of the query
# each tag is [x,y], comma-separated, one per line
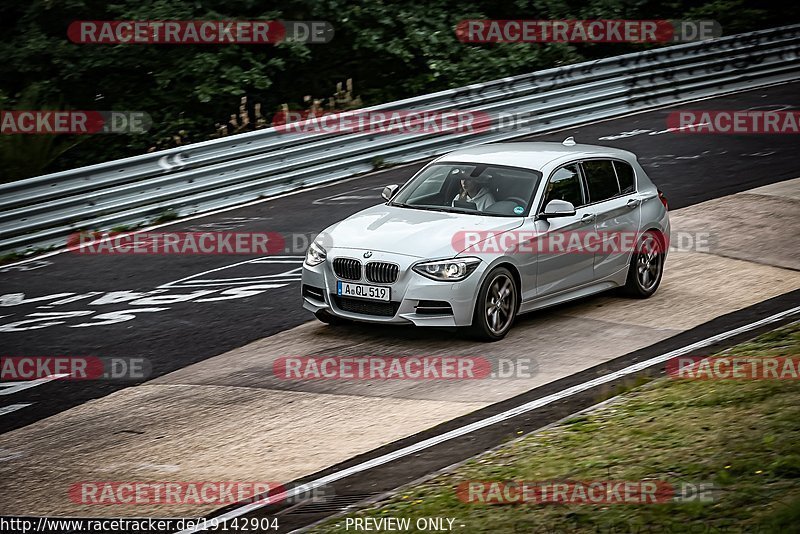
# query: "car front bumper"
[414,298]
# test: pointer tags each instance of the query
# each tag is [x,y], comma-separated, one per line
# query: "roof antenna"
[569,141]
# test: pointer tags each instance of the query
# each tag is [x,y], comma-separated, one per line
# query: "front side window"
[564,184]
[601,179]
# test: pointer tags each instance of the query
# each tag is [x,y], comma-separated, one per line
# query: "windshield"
[474,188]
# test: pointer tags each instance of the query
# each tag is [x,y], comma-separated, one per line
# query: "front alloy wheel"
[496,306]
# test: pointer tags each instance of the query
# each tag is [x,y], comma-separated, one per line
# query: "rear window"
[625,177]
[601,179]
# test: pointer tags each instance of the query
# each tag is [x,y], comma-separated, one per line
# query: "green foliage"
[29,155]
[166,216]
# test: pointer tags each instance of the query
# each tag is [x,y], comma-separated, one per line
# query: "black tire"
[499,293]
[646,268]
[327,318]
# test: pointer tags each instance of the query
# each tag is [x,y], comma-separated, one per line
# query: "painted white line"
[211,283]
[197,275]
[8,388]
[273,284]
[407,164]
[280,259]
[483,423]
[249,280]
[12,408]
[194,280]
[6,454]
[288,274]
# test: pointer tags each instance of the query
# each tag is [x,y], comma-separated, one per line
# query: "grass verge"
[742,436]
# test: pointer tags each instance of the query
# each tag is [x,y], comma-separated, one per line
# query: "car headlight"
[315,255]
[448,270]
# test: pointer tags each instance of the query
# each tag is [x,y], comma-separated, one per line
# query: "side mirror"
[389,191]
[558,208]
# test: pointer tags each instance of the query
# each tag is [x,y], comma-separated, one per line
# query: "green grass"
[165,216]
[28,253]
[741,436]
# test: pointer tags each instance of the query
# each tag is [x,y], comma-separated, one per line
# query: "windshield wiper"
[445,209]
[415,206]
[438,208]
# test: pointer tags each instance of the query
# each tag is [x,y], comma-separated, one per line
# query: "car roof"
[532,155]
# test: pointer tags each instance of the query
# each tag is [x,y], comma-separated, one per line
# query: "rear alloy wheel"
[646,269]
[496,306]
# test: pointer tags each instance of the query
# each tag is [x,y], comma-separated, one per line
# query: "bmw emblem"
[368,254]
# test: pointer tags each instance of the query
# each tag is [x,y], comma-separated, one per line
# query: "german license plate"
[361,291]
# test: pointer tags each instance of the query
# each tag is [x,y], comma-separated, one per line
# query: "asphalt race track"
[688,168]
[202,320]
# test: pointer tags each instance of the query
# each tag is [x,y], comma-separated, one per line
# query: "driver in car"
[473,190]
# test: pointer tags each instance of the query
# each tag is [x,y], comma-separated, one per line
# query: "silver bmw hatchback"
[481,235]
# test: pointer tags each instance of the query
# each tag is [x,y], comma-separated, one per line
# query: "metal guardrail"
[43,211]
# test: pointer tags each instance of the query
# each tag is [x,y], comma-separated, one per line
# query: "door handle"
[589,217]
[632,203]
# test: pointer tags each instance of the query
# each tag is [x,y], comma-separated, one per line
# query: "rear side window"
[565,184]
[601,179]
[625,177]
